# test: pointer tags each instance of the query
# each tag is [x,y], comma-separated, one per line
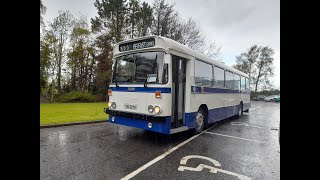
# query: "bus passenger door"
[178,90]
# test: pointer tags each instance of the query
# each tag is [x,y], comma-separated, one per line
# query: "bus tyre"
[199,121]
[240,111]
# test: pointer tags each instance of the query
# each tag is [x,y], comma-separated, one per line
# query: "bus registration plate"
[129,106]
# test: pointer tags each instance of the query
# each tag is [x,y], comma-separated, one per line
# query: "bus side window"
[247,84]
[229,80]
[203,73]
[243,83]
[236,81]
[218,77]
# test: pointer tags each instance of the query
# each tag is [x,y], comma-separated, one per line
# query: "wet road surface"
[244,148]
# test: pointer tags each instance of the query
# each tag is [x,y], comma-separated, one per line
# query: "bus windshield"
[135,68]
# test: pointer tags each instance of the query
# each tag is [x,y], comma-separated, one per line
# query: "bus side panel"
[217,114]
[160,126]
[190,119]
[214,115]
[221,103]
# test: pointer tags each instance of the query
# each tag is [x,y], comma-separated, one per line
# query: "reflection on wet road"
[109,151]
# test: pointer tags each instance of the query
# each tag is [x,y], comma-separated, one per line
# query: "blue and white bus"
[161,85]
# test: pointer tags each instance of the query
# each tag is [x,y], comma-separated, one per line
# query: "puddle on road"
[123,133]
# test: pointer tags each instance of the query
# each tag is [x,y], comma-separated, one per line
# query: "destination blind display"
[145,43]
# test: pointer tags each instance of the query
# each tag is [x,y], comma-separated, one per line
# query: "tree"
[257,62]
[103,57]
[80,56]
[43,9]
[109,27]
[45,53]
[133,13]
[264,67]
[48,61]
[190,34]
[212,50]
[164,17]
[60,28]
[167,23]
[246,60]
[112,16]
[145,19]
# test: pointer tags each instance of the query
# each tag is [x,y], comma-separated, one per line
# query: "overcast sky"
[233,24]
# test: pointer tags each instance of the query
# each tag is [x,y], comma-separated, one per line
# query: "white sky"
[233,24]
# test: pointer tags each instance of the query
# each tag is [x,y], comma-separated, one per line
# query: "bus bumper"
[151,123]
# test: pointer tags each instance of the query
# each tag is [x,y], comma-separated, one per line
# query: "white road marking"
[235,137]
[254,108]
[200,167]
[245,124]
[137,171]
[134,173]
[184,160]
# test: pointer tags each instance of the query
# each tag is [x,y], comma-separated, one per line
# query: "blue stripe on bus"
[141,89]
[214,115]
[206,90]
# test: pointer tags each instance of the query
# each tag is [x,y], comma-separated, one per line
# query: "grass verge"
[63,113]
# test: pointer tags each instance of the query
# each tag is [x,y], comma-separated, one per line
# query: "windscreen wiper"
[116,82]
[146,82]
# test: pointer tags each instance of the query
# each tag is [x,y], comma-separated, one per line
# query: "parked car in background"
[261,97]
[269,99]
[272,98]
[276,98]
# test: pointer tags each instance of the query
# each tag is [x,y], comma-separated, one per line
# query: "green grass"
[62,113]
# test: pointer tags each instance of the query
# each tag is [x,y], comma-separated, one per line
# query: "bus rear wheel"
[200,121]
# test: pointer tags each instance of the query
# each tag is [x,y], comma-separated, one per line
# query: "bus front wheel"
[200,121]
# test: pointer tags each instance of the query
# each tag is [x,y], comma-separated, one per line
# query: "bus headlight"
[113,105]
[157,110]
[150,109]
[109,104]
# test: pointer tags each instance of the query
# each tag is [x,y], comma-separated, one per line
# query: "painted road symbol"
[200,167]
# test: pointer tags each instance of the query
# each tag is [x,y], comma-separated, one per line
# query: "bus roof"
[169,44]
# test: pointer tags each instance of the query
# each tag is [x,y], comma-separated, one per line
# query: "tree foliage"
[257,62]
[76,56]
[43,9]
[60,29]
[164,18]
[80,57]
[145,19]
[190,34]
[112,17]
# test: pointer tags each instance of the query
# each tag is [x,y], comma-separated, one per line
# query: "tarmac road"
[245,148]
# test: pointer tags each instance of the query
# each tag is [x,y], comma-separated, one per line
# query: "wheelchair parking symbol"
[200,167]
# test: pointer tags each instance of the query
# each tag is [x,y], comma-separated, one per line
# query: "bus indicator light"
[158,94]
[109,92]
